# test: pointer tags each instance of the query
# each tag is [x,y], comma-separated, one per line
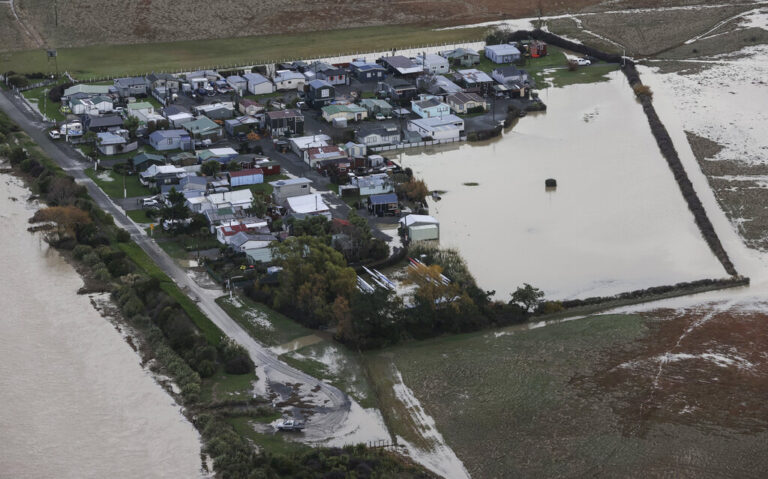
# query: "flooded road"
[616,221]
[75,400]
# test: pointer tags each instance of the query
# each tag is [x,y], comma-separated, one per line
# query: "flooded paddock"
[616,221]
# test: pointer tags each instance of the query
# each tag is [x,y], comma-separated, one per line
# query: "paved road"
[334,411]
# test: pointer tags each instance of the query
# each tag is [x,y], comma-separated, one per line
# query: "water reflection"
[615,222]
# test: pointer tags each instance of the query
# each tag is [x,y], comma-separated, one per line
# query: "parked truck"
[290,425]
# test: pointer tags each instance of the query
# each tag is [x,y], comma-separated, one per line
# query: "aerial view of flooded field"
[616,221]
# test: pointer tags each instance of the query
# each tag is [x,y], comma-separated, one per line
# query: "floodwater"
[74,399]
[616,221]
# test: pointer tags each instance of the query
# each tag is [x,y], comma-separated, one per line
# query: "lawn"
[140,216]
[263,189]
[227,387]
[44,104]
[114,188]
[138,256]
[506,401]
[262,323]
[274,442]
[97,61]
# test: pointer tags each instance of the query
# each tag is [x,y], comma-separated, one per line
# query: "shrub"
[102,274]
[26,165]
[122,236]
[133,307]
[91,259]
[81,250]
[18,81]
[642,90]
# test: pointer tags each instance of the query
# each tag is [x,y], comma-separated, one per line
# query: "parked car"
[151,202]
[302,105]
[379,116]
[290,425]
[583,62]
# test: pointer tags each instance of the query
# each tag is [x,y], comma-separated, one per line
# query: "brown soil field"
[737,189]
[68,23]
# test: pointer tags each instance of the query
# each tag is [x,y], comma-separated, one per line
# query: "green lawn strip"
[45,105]
[274,443]
[92,63]
[586,74]
[210,331]
[282,330]
[227,387]
[140,216]
[143,261]
[114,188]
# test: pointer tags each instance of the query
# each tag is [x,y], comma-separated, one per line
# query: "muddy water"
[616,221]
[74,400]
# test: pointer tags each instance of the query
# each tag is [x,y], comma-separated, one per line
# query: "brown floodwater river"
[616,221]
[74,399]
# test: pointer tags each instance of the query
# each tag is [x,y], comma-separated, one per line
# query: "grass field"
[114,188]
[503,401]
[114,60]
[263,323]
[226,387]
[45,105]
[139,216]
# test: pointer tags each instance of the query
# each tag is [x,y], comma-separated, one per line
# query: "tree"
[210,168]
[66,218]
[259,206]
[131,124]
[177,210]
[371,320]
[413,190]
[313,276]
[527,296]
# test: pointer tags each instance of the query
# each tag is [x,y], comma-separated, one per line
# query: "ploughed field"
[606,396]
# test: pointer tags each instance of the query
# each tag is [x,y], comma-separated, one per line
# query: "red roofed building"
[321,154]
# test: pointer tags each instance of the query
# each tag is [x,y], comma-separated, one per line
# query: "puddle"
[297,343]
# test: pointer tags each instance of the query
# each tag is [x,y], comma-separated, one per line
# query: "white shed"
[420,227]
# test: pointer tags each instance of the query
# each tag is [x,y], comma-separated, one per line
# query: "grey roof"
[174,110]
[160,76]
[509,71]
[104,121]
[291,181]
[319,84]
[399,61]
[161,134]
[465,97]
[283,114]
[384,199]
[428,103]
[129,81]
[255,78]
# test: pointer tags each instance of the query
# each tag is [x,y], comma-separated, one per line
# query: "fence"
[418,144]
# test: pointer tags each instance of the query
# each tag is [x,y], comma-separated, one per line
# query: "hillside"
[71,23]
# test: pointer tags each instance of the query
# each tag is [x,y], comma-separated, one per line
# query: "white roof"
[223,151]
[304,142]
[155,170]
[449,121]
[235,197]
[503,49]
[306,204]
[419,220]
[180,116]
